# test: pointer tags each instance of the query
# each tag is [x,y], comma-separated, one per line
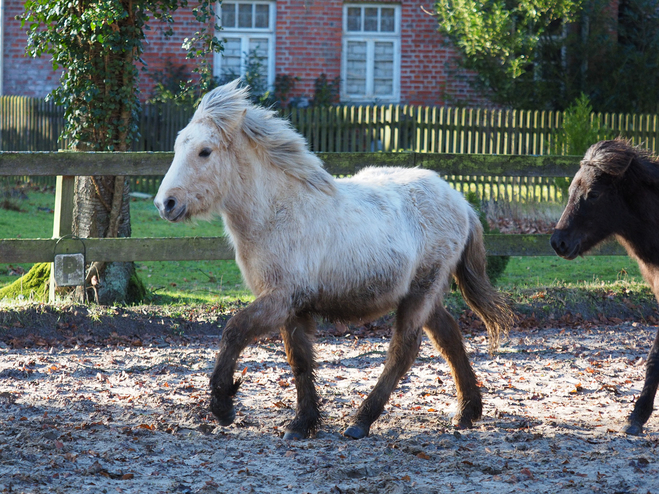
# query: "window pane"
[231,59]
[245,15]
[354,19]
[371,19]
[356,67]
[387,20]
[261,16]
[258,51]
[228,18]
[383,69]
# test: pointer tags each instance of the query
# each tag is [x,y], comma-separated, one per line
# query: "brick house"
[383,52]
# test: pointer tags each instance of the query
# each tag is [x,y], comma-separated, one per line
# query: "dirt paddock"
[124,418]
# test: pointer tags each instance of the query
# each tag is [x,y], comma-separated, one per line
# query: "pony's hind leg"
[403,349]
[445,334]
[644,404]
[298,342]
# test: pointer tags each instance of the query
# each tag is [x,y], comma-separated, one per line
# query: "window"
[248,32]
[371,53]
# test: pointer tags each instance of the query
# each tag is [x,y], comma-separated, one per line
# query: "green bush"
[496,265]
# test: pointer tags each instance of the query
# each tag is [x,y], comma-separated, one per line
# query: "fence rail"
[511,178]
[69,164]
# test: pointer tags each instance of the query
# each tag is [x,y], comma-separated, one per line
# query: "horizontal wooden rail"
[216,248]
[69,164]
[139,164]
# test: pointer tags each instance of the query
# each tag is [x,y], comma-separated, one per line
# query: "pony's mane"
[231,111]
[616,157]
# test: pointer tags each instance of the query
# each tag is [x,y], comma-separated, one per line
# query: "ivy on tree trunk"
[97,44]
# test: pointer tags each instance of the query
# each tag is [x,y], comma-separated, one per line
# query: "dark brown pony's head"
[606,196]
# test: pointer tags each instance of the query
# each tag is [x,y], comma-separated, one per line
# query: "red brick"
[308,43]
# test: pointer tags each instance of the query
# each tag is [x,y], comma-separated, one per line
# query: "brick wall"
[23,75]
[162,53]
[308,41]
[428,72]
[308,44]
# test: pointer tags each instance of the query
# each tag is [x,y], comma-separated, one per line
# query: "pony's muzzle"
[170,209]
[564,246]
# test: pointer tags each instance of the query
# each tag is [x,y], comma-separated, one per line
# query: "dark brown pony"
[616,193]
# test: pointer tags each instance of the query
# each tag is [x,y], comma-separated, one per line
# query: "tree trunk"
[101,213]
[102,207]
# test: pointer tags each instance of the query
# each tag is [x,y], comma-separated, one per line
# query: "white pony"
[309,245]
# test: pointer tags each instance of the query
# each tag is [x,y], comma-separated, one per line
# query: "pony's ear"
[648,171]
[619,156]
[612,157]
[230,127]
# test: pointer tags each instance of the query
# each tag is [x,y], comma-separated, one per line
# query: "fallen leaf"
[577,389]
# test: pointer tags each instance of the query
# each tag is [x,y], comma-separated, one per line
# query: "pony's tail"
[490,305]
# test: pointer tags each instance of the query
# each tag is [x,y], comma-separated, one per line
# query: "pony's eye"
[593,194]
[205,153]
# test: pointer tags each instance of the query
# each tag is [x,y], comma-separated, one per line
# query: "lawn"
[208,281]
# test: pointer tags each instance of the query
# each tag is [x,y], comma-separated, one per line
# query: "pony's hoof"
[355,432]
[226,418]
[633,429]
[463,424]
[292,436]
[224,414]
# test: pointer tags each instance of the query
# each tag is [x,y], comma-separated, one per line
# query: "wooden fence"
[69,164]
[29,124]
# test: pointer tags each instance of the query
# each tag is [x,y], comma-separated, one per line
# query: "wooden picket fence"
[30,124]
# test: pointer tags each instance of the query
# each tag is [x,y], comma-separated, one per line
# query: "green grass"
[171,282]
[547,271]
[187,282]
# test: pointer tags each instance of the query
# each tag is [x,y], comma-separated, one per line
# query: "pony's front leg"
[265,315]
[298,342]
[645,402]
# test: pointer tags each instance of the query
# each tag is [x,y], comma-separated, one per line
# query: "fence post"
[63,221]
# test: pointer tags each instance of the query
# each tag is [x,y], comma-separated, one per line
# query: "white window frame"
[244,34]
[370,38]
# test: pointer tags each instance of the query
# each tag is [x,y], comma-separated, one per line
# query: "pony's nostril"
[559,245]
[170,205]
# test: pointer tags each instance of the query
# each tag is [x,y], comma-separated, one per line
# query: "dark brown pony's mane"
[618,157]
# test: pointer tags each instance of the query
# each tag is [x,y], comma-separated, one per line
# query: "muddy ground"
[113,410]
